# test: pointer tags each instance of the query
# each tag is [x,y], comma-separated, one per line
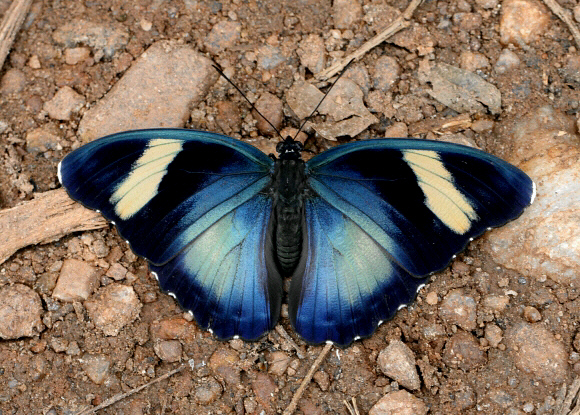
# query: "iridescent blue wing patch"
[172,193]
[415,202]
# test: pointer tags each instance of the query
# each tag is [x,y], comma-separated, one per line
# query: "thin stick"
[400,23]
[352,408]
[290,340]
[10,26]
[121,396]
[294,403]
[565,16]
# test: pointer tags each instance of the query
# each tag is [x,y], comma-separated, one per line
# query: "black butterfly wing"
[189,202]
[384,215]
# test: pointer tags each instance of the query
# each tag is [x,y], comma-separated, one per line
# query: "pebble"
[264,388]
[43,138]
[96,367]
[113,307]
[487,4]
[577,13]
[506,61]
[397,361]
[270,57]
[168,350]
[228,117]
[105,38]
[164,74]
[100,248]
[497,303]
[397,130]
[571,69]
[431,331]
[76,282]
[272,109]
[467,21]
[222,36]
[522,21]
[174,328]
[432,298]
[493,334]
[322,379]
[116,272]
[312,53]
[399,402]
[359,75]
[20,312]
[482,125]
[386,73]
[346,13]
[209,391]
[531,314]
[460,309]
[535,350]
[278,363]
[415,39]
[224,363]
[34,62]
[462,350]
[64,103]
[72,56]
[471,61]
[13,81]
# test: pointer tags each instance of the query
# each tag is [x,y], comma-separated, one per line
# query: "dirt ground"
[52,371]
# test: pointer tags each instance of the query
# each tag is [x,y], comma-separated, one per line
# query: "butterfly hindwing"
[174,192]
[415,202]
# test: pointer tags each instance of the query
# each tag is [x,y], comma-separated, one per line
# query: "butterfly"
[359,228]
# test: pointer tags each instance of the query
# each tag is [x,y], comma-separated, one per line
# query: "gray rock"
[76,282]
[96,367]
[114,307]
[20,312]
[222,36]
[460,309]
[398,362]
[168,350]
[507,61]
[64,103]
[400,403]
[545,240]
[522,21]
[105,38]
[270,57]
[13,81]
[535,350]
[158,90]
[312,53]
[346,13]
[462,350]
[386,73]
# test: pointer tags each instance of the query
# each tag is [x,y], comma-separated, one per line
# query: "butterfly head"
[289,149]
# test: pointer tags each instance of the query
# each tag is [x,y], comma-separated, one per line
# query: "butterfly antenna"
[322,100]
[217,68]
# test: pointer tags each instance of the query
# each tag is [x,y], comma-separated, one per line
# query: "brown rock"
[222,36]
[208,392]
[460,309]
[72,56]
[168,350]
[64,103]
[174,328]
[322,379]
[228,117]
[264,388]
[76,282]
[278,363]
[462,350]
[398,362]
[493,334]
[116,272]
[346,13]
[497,303]
[114,307]
[386,73]
[43,138]
[96,367]
[532,314]
[535,350]
[13,81]
[224,362]
[522,21]
[312,53]
[20,312]
[272,109]
[400,403]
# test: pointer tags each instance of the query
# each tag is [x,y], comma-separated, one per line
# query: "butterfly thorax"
[288,192]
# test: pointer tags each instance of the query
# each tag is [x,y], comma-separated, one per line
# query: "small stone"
[100,248]
[312,53]
[228,117]
[13,81]
[507,61]
[480,126]
[72,56]
[270,57]
[222,36]
[416,38]
[346,13]
[432,298]
[571,69]
[493,334]
[168,350]
[398,362]
[174,328]
[208,392]
[20,312]
[272,109]
[64,103]
[73,349]
[471,61]
[106,38]
[497,303]
[114,307]
[42,139]
[532,314]
[58,344]
[462,350]
[34,62]
[224,363]
[535,350]
[96,367]
[76,282]
[522,21]
[116,272]
[322,379]
[397,130]
[145,24]
[460,309]
[386,73]
[264,388]
[278,363]
[487,4]
[577,13]
[399,402]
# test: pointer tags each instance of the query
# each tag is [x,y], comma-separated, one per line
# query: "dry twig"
[400,23]
[289,339]
[10,25]
[567,404]
[121,396]
[566,17]
[294,403]
[352,408]
[48,217]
